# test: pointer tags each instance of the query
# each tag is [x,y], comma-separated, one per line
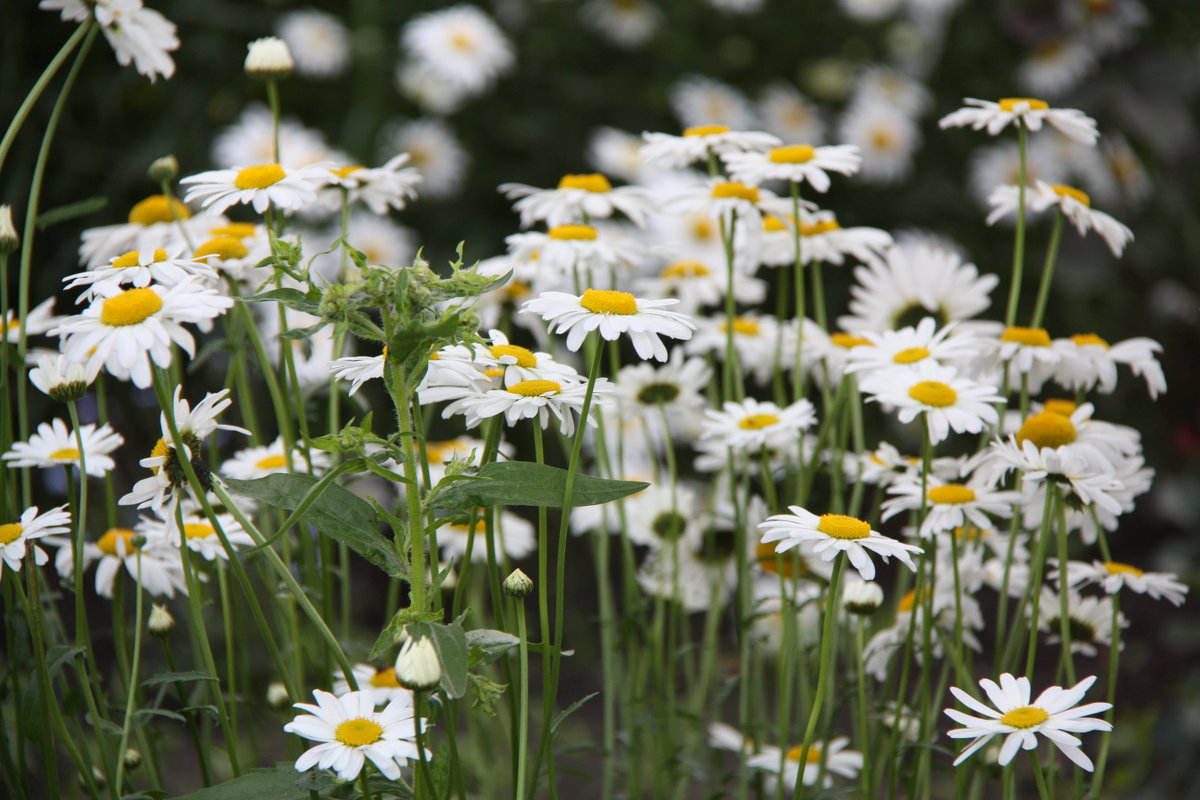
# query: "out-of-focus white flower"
[886,138]
[137,34]
[790,115]
[1027,111]
[461,44]
[434,149]
[319,42]
[628,23]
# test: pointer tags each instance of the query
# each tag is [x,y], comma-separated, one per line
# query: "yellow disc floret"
[10,532]
[592,182]
[1024,717]
[1081,339]
[848,340]
[819,227]
[156,208]
[756,422]
[1078,196]
[705,130]
[535,388]
[685,269]
[951,494]
[65,454]
[1117,568]
[385,679]
[1059,405]
[198,530]
[275,461]
[238,230]
[1047,429]
[744,325]
[223,247]
[108,542]
[789,564]
[130,307]
[773,223]
[735,189]
[586,232]
[910,355]
[1028,337]
[933,393]
[259,177]
[525,358]
[797,752]
[840,526]
[358,732]
[342,172]
[608,301]
[791,154]
[1011,103]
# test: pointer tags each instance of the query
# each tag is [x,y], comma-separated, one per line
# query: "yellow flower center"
[848,340]
[198,530]
[156,208]
[607,301]
[385,679]
[524,357]
[239,230]
[789,564]
[907,601]
[792,154]
[494,372]
[1081,339]
[592,182]
[462,40]
[756,422]
[1011,103]
[535,388]
[342,172]
[1028,337]
[66,454]
[970,533]
[1075,194]
[839,526]
[773,223]
[108,542]
[817,228]
[744,326]
[223,247]
[933,393]
[705,130]
[702,228]
[276,461]
[259,177]
[686,269]
[358,732]
[1058,405]
[572,232]
[1047,429]
[882,138]
[1024,717]
[951,494]
[130,307]
[159,450]
[735,189]
[910,355]
[10,532]
[795,753]
[1117,568]
[515,290]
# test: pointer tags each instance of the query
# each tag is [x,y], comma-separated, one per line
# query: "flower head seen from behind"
[612,313]
[350,731]
[834,533]
[1055,714]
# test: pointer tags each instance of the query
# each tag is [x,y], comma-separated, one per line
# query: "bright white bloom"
[1074,204]
[567,250]
[55,446]
[1055,714]
[948,401]
[649,391]
[16,538]
[698,283]
[1088,362]
[350,731]
[461,44]
[1026,111]
[515,537]
[912,345]
[140,268]
[1113,576]
[799,163]
[612,313]
[199,533]
[751,425]
[259,462]
[126,330]
[137,34]
[62,378]
[381,189]
[835,533]
[319,42]
[157,562]
[358,369]
[262,186]
[579,199]
[1090,479]
[528,399]
[822,238]
[675,152]
[950,506]
[380,683]
[268,57]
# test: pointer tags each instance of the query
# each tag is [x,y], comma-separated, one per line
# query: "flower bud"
[269,58]
[164,169]
[518,584]
[138,541]
[277,695]
[161,623]
[418,667]
[9,240]
[132,758]
[862,597]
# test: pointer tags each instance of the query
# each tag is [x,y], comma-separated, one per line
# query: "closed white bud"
[277,695]
[418,667]
[862,597]
[161,622]
[163,169]
[269,57]
[9,240]
[132,758]
[518,584]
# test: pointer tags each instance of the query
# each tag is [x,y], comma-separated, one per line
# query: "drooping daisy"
[1055,714]
[55,446]
[259,462]
[39,320]
[319,42]
[358,369]
[262,186]
[612,313]
[1089,620]
[17,538]
[526,400]
[675,152]
[137,34]
[381,189]
[515,537]
[799,163]
[350,731]
[1088,362]
[62,378]
[579,199]
[1113,576]
[140,268]
[1027,111]
[835,533]
[1074,204]
[125,330]
[460,44]
[947,400]
[381,683]
[751,425]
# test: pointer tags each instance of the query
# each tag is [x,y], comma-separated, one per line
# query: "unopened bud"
[161,623]
[9,240]
[164,169]
[138,541]
[132,758]
[518,584]
[277,695]
[269,58]
[862,597]
[418,667]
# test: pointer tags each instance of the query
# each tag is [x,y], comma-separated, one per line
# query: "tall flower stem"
[1114,656]
[1043,294]
[1018,266]
[1035,580]
[801,311]
[523,698]
[131,689]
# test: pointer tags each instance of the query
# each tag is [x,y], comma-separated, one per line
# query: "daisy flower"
[55,446]
[199,533]
[1091,362]
[16,538]
[1055,714]
[649,391]
[837,759]
[1090,479]
[140,268]
[319,42]
[947,401]
[461,45]
[39,320]
[381,189]
[1089,620]
[750,425]
[1113,576]
[153,222]
[137,34]
[350,731]
[835,533]
[698,283]
[911,345]
[567,250]
[761,342]
[125,330]
[526,400]
[157,561]
[662,516]
[259,462]
[612,313]
[358,369]
[61,378]
[949,506]
[1026,111]
[694,145]
[579,198]
[822,238]
[627,23]
[262,186]
[1074,204]
[798,163]
[381,683]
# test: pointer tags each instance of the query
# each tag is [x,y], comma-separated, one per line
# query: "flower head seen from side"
[528,399]
[350,731]
[381,682]
[946,400]
[668,151]
[259,462]
[18,538]
[612,313]
[137,34]
[358,369]
[799,163]
[55,446]
[835,533]
[260,185]
[1113,576]
[381,189]
[1074,204]
[1055,714]
[578,198]
[140,268]
[1026,111]
[750,425]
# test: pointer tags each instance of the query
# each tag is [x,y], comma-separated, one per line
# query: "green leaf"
[338,513]
[391,632]
[59,655]
[486,693]
[280,782]
[292,298]
[520,483]
[450,641]
[173,677]
[158,712]
[70,211]
[302,333]
[486,645]
[571,709]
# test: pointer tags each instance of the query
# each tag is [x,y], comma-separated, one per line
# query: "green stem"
[1039,776]
[1047,272]
[1035,580]
[1114,654]
[523,698]
[1018,266]
[131,689]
